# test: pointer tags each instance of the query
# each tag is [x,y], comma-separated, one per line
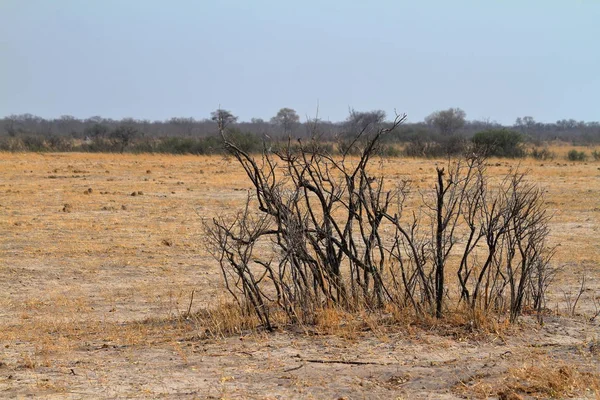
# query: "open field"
[99,255]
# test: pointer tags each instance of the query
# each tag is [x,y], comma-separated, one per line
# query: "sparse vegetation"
[499,143]
[542,154]
[441,134]
[575,155]
[543,379]
[99,292]
[438,147]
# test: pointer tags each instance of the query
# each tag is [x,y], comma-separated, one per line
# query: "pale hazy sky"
[159,59]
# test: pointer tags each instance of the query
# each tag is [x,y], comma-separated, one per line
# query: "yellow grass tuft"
[549,380]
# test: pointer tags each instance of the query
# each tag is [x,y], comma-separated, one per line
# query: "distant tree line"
[442,132]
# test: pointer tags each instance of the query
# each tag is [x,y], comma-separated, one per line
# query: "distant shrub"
[419,148]
[96,131]
[59,143]
[389,151]
[441,146]
[309,147]
[34,143]
[392,151]
[123,135]
[454,145]
[575,155]
[596,155]
[145,145]
[180,145]
[327,148]
[499,143]
[542,154]
[347,146]
[201,146]
[415,148]
[100,145]
[177,145]
[11,143]
[246,141]
[356,148]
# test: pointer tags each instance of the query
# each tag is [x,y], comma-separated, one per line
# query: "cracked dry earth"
[90,291]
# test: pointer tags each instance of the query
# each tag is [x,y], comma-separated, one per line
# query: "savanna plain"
[108,291]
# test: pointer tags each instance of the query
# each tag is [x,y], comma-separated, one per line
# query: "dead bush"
[321,231]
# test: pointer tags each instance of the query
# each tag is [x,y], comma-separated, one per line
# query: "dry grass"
[539,379]
[551,380]
[107,283]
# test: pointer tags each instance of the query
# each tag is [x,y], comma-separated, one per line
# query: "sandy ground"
[92,281]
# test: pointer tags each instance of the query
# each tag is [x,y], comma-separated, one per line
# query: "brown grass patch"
[539,379]
[544,380]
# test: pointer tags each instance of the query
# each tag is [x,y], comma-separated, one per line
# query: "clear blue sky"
[159,59]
